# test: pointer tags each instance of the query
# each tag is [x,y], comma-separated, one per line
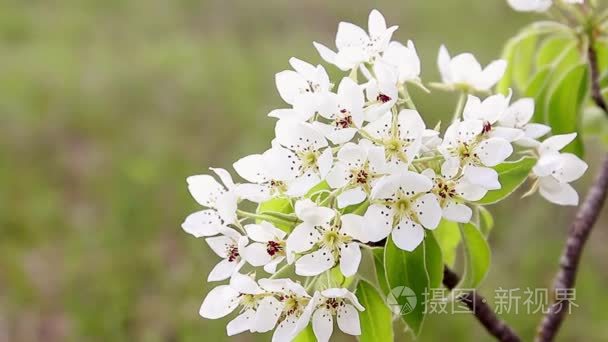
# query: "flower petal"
[350,258]
[219,302]
[202,223]
[493,151]
[315,263]
[457,212]
[348,320]
[558,193]
[351,197]
[322,324]
[241,323]
[223,270]
[379,220]
[408,235]
[428,211]
[267,314]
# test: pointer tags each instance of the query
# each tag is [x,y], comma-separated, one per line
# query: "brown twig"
[480,308]
[476,303]
[579,231]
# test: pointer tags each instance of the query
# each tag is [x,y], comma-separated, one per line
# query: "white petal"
[251,168]
[464,68]
[428,211]
[271,267]
[351,197]
[256,254]
[219,302]
[350,35]
[408,235]
[298,136]
[472,109]
[482,176]
[381,127]
[322,324]
[493,151]
[556,142]
[443,63]
[244,284]
[338,176]
[285,331]
[312,214]
[224,177]
[536,130]
[302,184]
[352,155]
[457,212]
[325,162]
[572,168]
[379,220]
[241,323]
[376,23]
[350,258]
[413,182]
[348,320]
[204,189]
[509,134]
[267,314]
[328,55]
[491,74]
[289,84]
[354,226]
[222,271]
[220,244]
[202,223]
[226,206]
[302,238]
[315,263]
[263,232]
[470,192]
[253,192]
[558,193]
[283,163]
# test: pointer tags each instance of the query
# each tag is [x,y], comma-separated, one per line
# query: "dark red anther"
[273,247]
[383,98]
[487,127]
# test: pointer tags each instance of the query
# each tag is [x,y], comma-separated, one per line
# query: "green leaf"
[319,191]
[447,235]
[338,279]
[378,254]
[477,254]
[564,104]
[537,89]
[511,175]
[551,49]
[417,271]
[486,220]
[519,53]
[377,319]
[307,335]
[279,205]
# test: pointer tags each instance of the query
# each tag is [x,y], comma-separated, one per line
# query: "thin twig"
[480,308]
[579,231]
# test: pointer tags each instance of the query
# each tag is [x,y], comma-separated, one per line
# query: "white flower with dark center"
[228,246]
[381,90]
[401,136]
[464,71]
[325,239]
[452,194]
[405,58]
[268,173]
[556,170]
[345,110]
[304,155]
[489,111]
[242,292]
[357,168]
[291,300]
[518,116]
[402,204]
[268,248]
[324,306]
[468,151]
[305,89]
[211,194]
[355,46]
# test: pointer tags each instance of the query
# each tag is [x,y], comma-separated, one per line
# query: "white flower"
[305,89]
[381,90]
[530,5]
[451,193]
[467,150]
[405,58]
[211,194]
[292,301]
[268,248]
[327,304]
[345,110]
[518,115]
[402,205]
[355,46]
[268,173]
[330,237]
[203,223]
[302,154]
[357,168]
[489,111]
[401,138]
[224,299]
[465,72]
[555,170]
[228,246]
[430,140]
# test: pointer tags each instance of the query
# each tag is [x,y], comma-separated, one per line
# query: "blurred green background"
[106,107]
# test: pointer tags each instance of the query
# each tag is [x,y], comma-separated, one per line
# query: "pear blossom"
[227,246]
[304,152]
[401,138]
[325,239]
[518,115]
[327,304]
[304,88]
[405,59]
[464,71]
[489,111]
[403,206]
[209,193]
[268,248]
[355,46]
[344,110]
[452,195]
[467,149]
[556,170]
[381,90]
[357,168]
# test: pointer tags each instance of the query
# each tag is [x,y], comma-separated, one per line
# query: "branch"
[476,303]
[579,231]
[480,308]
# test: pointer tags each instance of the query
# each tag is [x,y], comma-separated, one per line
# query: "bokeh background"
[105,108]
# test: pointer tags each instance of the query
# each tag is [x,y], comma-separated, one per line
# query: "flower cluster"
[355,163]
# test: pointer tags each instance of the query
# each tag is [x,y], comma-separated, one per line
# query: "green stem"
[406,96]
[281,271]
[271,217]
[459,106]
